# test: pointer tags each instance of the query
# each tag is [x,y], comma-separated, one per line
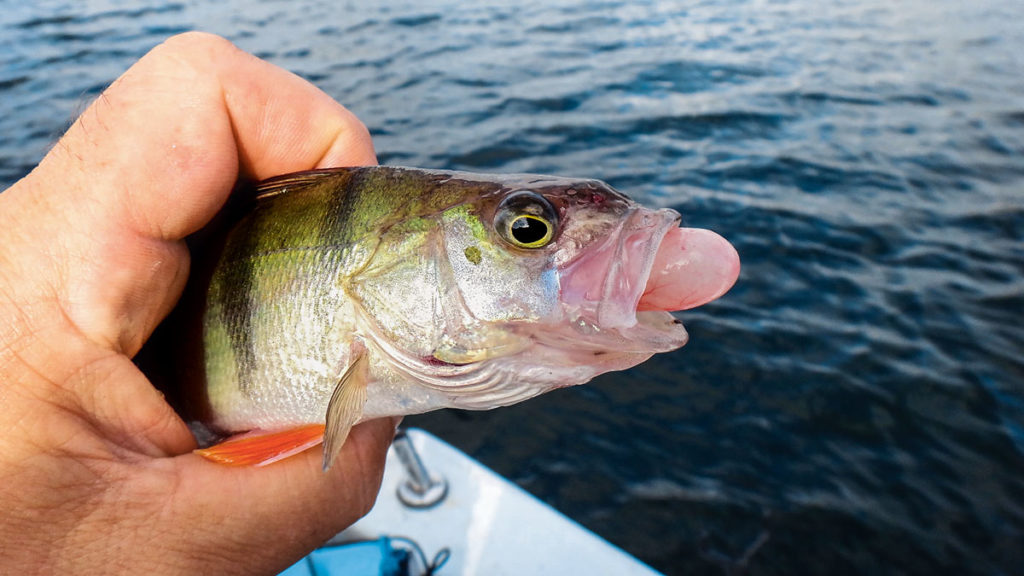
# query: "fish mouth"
[602,288]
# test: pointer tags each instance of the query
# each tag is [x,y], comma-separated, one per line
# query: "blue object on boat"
[365,558]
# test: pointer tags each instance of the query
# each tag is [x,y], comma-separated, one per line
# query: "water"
[858,398]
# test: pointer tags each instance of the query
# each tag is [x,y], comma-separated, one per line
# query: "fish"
[343,295]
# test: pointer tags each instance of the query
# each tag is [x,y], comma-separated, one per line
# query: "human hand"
[96,470]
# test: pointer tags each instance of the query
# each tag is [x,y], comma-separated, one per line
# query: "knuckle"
[197,41]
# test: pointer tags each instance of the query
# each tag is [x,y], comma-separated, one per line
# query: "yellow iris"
[529,231]
[525,219]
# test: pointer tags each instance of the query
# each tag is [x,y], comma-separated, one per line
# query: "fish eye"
[530,231]
[526,220]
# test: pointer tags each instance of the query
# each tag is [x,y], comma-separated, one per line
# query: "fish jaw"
[617,294]
[601,289]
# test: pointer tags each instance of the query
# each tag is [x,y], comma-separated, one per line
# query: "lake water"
[856,403]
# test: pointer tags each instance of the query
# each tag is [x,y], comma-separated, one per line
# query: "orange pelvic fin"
[260,449]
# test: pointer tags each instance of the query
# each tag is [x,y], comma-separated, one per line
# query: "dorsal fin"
[288,182]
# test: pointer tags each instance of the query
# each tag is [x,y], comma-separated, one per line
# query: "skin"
[96,470]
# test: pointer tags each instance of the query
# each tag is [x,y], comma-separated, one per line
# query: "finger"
[278,513]
[132,414]
[177,128]
[154,158]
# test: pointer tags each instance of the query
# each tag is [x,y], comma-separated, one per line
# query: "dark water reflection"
[857,397]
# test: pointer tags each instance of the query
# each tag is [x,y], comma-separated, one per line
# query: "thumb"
[151,161]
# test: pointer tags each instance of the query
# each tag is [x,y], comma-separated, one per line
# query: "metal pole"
[421,489]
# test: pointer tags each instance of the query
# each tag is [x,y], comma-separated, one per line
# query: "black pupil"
[528,230]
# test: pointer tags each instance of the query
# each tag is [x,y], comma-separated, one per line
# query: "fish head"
[552,281]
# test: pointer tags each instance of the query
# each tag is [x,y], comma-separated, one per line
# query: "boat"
[440,512]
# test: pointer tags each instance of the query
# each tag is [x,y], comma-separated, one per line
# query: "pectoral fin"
[262,448]
[346,406]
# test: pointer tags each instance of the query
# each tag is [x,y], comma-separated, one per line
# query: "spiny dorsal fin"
[289,182]
[346,406]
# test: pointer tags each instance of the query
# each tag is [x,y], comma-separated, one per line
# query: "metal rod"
[421,489]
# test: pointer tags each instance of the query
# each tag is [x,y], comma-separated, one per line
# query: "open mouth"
[605,284]
[646,268]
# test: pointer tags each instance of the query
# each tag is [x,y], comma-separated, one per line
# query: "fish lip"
[623,262]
